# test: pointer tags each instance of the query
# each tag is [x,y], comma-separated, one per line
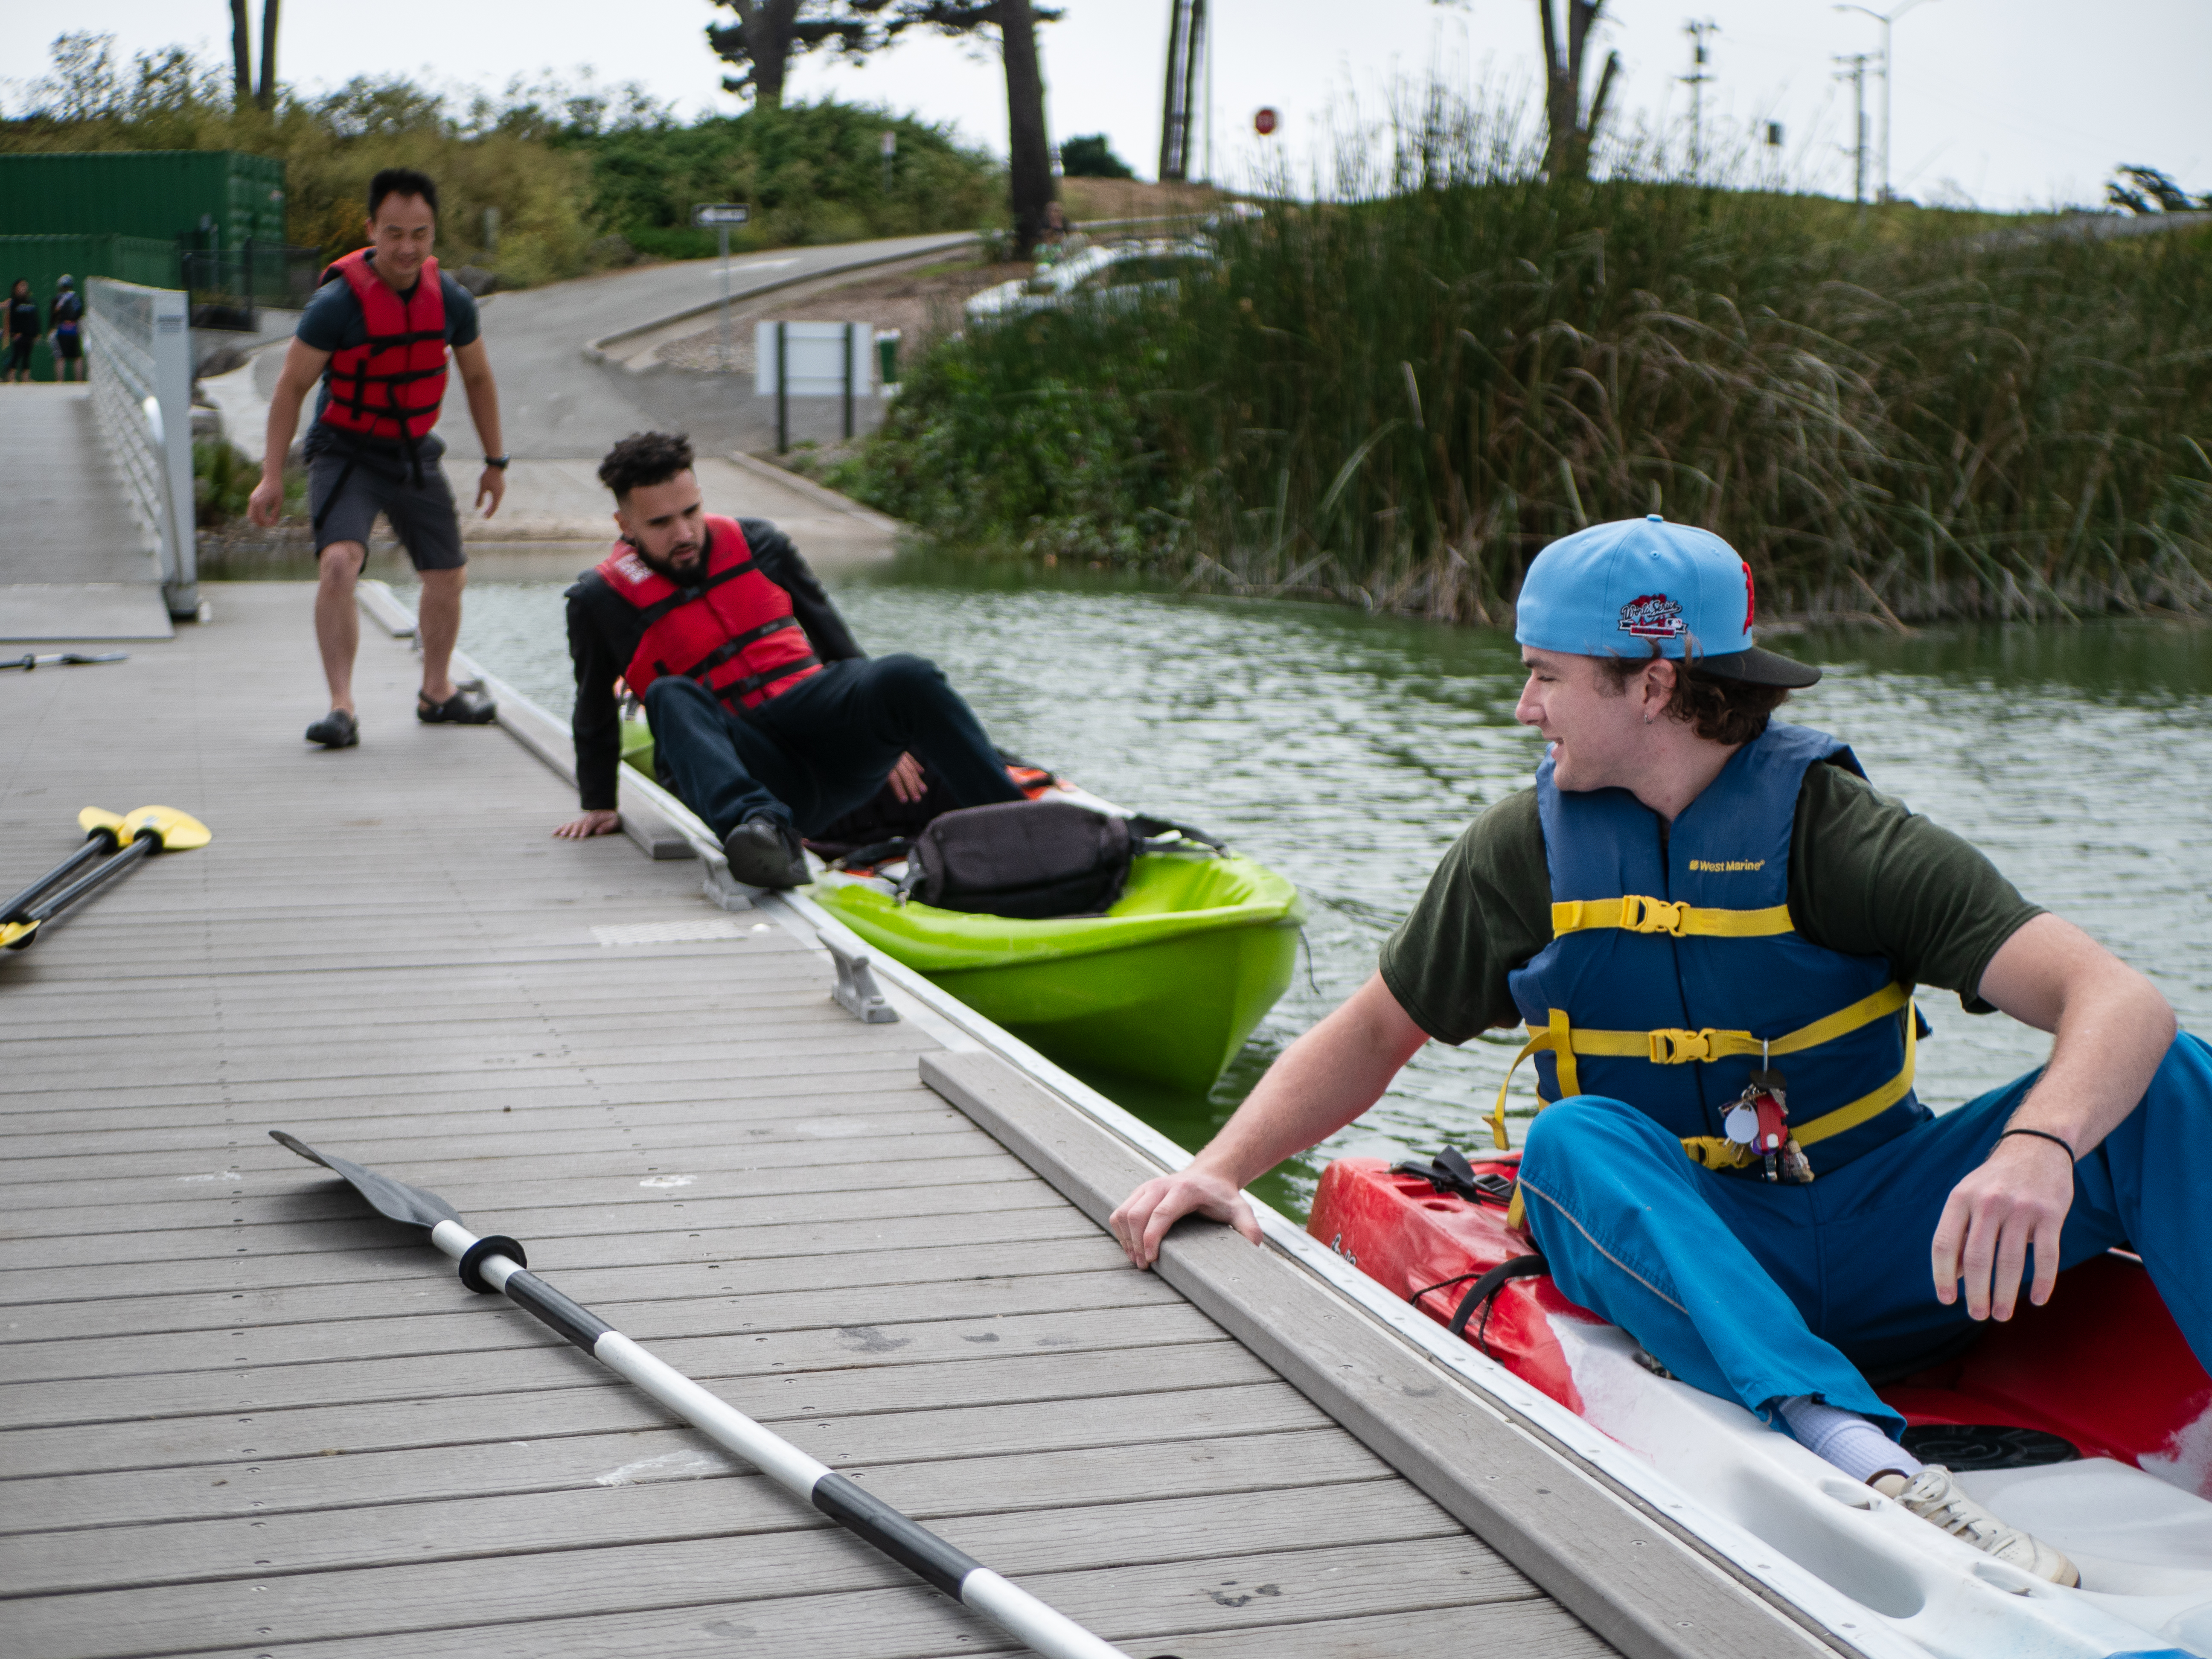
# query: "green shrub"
[1398,399]
[581,177]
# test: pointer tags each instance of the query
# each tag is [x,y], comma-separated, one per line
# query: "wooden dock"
[241,1416]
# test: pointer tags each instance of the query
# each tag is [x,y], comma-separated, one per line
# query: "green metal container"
[1164,987]
[215,199]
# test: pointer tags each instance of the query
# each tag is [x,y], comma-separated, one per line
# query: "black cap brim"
[1757,667]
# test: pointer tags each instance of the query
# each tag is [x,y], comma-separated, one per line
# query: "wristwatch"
[499,461]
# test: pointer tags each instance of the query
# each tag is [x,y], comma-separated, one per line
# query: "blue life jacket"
[1673,967]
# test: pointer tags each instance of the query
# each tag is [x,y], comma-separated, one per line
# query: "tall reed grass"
[1400,395]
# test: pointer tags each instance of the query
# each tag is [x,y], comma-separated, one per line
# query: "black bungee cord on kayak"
[494,1263]
[1450,1172]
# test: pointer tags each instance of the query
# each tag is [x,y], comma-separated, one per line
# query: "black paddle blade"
[395,1200]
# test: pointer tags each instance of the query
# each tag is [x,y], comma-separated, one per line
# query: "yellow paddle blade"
[15,935]
[96,817]
[180,831]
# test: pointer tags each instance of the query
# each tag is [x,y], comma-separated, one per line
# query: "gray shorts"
[346,492]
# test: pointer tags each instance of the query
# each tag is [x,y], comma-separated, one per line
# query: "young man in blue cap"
[1710,926]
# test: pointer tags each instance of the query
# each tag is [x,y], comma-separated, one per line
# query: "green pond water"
[1347,750]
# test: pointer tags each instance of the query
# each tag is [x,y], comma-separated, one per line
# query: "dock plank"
[237,1415]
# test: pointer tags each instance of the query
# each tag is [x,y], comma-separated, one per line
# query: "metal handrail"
[139,353]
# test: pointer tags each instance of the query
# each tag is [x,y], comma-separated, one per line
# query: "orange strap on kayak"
[1676,1047]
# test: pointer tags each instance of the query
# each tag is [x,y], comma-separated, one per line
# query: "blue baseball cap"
[1617,590]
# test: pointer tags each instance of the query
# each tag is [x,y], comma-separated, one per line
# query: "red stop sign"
[1264,122]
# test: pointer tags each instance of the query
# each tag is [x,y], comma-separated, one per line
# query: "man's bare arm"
[303,367]
[1325,1079]
[2112,1028]
[474,365]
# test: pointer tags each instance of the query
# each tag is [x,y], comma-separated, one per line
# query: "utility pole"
[1885,19]
[1854,71]
[1696,79]
[1187,38]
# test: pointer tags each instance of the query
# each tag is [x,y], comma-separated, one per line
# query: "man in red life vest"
[766,715]
[377,334]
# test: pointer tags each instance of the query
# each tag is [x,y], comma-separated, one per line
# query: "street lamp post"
[1888,70]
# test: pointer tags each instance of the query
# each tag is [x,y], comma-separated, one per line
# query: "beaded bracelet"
[2044,1134]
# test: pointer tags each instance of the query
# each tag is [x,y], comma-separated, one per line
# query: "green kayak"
[1165,986]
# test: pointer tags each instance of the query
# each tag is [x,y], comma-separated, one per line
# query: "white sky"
[2009,103]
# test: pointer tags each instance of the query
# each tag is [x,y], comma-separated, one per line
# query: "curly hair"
[1719,711]
[645,457]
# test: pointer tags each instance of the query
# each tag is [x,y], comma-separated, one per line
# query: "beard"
[685,563]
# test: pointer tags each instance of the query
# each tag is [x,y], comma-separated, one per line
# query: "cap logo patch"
[1652,616]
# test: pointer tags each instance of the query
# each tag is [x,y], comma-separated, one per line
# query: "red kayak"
[2099,1372]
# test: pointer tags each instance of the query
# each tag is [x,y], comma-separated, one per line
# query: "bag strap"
[1160,833]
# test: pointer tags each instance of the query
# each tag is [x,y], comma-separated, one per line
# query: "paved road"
[558,406]
[561,410]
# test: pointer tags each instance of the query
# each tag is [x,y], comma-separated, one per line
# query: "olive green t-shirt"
[1866,878]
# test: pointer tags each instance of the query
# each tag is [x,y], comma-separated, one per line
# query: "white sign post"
[812,360]
[722,215]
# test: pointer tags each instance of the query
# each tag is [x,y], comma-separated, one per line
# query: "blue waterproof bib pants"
[1758,1290]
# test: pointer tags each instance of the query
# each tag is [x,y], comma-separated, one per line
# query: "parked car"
[1120,274]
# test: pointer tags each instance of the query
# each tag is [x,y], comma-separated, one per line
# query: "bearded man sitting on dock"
[1712,926]
[767,717]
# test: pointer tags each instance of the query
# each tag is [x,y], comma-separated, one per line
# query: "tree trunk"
[241,51]
[767,38]
[1568,129]
[266,96]
[1028,149]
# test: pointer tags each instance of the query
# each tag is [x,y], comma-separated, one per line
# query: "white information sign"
[818,359]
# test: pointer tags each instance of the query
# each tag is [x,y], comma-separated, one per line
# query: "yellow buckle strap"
[1637,914]
[1676,1047]
[1718,1153]
[1554,1039]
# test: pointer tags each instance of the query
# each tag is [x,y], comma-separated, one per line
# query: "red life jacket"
[393,386]
[735,634]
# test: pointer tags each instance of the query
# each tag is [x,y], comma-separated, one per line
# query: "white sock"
[1855,1444]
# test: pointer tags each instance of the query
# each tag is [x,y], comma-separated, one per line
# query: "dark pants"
[823,748]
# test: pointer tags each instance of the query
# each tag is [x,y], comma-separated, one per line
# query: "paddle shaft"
[99,842]
[144,847]
[861,1512]
[28,660]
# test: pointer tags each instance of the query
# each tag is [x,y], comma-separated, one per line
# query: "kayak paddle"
[149,830]
[27,661]
[496,1263]
[103,834]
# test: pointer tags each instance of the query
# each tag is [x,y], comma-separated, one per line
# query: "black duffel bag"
[1031,860]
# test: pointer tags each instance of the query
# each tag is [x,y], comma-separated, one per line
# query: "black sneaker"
[336,730]
[765,853]
[466,707]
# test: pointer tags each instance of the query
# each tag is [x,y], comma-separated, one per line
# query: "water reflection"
[1349,751]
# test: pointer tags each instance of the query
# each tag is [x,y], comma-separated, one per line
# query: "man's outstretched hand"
[595,822]
[1146,1214]
[2018,1198]
[905,779]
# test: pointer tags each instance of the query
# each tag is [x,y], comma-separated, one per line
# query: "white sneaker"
[1936,1495]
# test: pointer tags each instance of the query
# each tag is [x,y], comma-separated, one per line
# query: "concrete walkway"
[73,560]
